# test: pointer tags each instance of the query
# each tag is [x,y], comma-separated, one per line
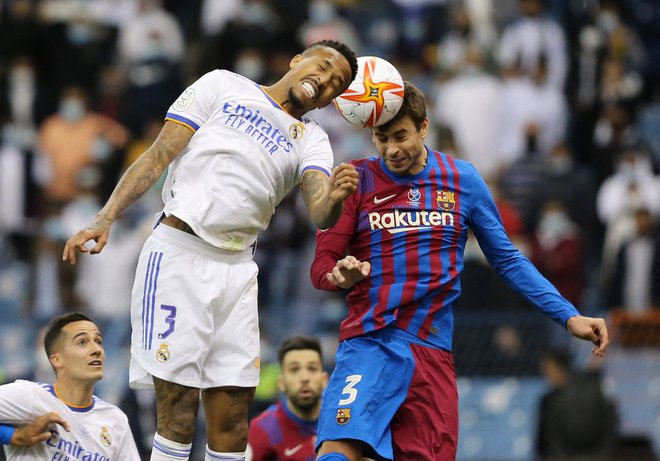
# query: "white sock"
[166,450]
[216,456]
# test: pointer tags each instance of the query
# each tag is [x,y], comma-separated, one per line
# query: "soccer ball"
[375,96]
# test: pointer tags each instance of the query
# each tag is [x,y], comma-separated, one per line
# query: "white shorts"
[193,314]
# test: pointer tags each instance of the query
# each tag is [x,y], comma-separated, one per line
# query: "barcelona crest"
[446,200]
[343,416]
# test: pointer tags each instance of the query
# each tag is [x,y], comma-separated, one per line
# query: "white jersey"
[246,154]
[99,432]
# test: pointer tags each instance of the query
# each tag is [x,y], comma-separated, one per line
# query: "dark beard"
[295,101]
[305,405]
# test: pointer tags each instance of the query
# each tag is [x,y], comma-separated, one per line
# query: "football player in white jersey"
[234,150]
[89,428]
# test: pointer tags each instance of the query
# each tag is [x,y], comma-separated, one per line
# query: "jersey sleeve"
[318,152]
[197,102]
[259,446]
[16,402]
[332,245]
[508,262]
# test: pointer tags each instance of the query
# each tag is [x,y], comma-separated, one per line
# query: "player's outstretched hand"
[344,181]
[590,329]
[98,231]
[348,271]
[37,431]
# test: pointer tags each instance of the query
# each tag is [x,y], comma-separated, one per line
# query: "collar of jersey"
[298,420]
[430,164]
[75,408]
[271,100]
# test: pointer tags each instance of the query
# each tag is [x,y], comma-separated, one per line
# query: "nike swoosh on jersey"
[383,199]
[291,451]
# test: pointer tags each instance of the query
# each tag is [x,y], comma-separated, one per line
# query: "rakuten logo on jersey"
[404,221]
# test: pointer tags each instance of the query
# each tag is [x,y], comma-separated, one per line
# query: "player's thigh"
[177,281]
[233,358]
[369,382]
[426,424]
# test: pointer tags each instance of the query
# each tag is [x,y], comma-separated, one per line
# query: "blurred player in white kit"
[89,428]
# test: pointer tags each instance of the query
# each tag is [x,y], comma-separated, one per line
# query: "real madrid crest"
[106,440]
[343,416]
[297,130]
[446,200]
[163,353]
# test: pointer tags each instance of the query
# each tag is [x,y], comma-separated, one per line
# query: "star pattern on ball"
[373,91]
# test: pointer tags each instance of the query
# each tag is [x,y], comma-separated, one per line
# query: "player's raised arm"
[139,177]
[324,196]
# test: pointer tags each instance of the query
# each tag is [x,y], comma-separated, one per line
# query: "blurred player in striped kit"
[287,429]
[234,149]
[398,247]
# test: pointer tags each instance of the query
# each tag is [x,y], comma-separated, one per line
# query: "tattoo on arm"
[146,170]
[323,211]
[315,188]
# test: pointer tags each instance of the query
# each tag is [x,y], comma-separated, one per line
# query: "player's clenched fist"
[344,181]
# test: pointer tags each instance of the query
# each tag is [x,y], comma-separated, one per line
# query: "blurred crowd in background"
[556,103]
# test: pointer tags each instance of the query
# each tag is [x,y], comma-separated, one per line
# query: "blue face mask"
[72,109]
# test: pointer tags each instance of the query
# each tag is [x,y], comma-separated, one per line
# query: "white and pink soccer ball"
[375,95]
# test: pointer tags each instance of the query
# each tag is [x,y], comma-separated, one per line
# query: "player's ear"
[295,60]
[424,129]
[55,360]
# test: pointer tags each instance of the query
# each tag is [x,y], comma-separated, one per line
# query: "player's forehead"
[334,61]
[404,125]
[80,328]
[301,357]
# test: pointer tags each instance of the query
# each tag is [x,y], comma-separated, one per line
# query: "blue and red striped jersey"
[413,231]
[278,434]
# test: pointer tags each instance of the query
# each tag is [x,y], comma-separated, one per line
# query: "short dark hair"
[298,343]
[414,106]
[343,49]
[55,328]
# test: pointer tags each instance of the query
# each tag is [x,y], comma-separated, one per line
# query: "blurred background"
[556,102]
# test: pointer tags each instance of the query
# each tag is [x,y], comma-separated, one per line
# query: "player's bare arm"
[590,329]
[37,431]
[324,196]
[348,271]
[139,177]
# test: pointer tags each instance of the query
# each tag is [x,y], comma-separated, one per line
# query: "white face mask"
[72,109]
[553,222]
[250,67]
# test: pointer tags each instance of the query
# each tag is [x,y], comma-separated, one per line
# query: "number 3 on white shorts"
[349,389]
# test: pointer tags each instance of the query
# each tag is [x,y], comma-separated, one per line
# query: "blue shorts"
[395,394]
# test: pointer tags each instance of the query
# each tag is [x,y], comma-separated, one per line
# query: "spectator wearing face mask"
[631,187]
[556,250]
[71,139]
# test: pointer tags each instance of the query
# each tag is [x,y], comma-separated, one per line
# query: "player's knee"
[332,457]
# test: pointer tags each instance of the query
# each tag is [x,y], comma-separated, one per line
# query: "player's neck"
[311,415]
[74,393]
[280,94]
